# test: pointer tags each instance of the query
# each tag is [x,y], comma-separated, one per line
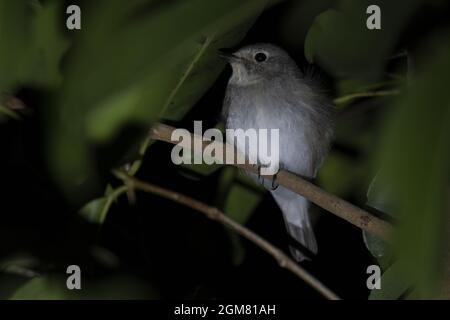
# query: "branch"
[215,214]
[341,208]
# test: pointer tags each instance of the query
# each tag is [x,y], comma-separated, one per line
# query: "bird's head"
[258,62]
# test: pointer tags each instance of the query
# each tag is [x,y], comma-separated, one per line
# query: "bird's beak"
[228,56]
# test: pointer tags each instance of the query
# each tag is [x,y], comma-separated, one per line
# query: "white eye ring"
[260,56]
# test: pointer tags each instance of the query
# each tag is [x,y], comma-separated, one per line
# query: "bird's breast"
[263,110]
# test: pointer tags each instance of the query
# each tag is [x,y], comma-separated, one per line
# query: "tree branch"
[215,214]
[341,208]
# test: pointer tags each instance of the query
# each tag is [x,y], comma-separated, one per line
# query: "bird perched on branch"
[268,91]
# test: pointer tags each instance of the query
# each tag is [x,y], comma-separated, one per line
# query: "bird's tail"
[298,224]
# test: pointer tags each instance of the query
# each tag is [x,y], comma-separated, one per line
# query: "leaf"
[338,174]
[15,271]
[227,178]
[104,257]
[379,196]
[53,287]
[341,43]
[9,283]
[393,285]
[415,156]
[328,17]
[102,122]
[42,288]
[96,210]
[375,245]
[31,44]
[49,45]
[15,29]
[297,19]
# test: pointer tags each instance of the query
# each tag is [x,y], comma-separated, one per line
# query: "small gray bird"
[268,91]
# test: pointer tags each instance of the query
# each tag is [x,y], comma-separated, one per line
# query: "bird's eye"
[260,57]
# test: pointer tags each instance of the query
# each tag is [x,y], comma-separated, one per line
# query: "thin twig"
[19,271]
[341,208]
[357,95]
[10,113]
[217,215]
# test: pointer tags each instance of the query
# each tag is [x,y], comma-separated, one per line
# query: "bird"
[267,90]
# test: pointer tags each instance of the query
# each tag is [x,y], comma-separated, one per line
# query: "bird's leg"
[275,184]
[260,177]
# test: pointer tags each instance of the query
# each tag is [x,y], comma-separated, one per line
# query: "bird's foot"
[275,184]
[260,177]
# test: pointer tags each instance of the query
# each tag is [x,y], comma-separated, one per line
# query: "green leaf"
[375,245]
[42,288]
[379,196]
[104,120]
[15,271]
[96,210]
[297,19]
[9,283]
[53,287]
[415,158]
[393,284]
[49,45]
[31,43]
[341,43]
[329,17]
[15,30]
[337,175]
